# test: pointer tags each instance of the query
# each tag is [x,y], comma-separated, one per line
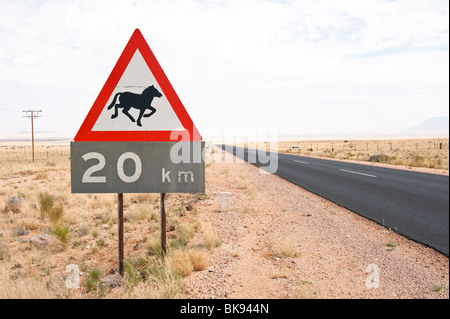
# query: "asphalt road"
[413,204]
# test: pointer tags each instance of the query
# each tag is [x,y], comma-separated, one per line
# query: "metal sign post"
[163,226]
[120,222]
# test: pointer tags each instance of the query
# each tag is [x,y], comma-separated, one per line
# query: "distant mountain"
[430,128]
[433,124]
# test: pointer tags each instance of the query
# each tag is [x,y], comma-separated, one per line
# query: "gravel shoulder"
[280,241]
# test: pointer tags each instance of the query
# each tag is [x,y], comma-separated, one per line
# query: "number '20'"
[88,178]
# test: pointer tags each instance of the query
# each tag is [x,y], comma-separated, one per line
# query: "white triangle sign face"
[137,102]
[136,73]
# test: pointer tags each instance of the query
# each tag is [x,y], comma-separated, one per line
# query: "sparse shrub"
[62,232]
[349,155]
[93,280]
[361,156]
[5,253]
[286,249]
[437,288]
[180,261]
[47,208]
[31,223]
[431,164]
[199,259]
[100,242]
[138,213]
[178,211]
[418,161]
[241,183]
[185,235]
[379,158]
[154,215]
[56,213]
[133,275]
[281,273]
[145,268]
[225,171]
[154,246]
[150,278]
[210,237]
[398,162]
[41,176]
[22,195]
[45,203]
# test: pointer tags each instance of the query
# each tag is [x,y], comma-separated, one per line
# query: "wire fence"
[40,151]
[380,146]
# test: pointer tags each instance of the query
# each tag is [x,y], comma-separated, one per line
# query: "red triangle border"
[85,133]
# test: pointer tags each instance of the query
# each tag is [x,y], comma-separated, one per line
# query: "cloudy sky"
[300,67]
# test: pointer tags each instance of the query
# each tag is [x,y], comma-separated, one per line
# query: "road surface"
[413,204]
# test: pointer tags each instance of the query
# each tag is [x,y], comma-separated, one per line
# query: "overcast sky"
[301,67]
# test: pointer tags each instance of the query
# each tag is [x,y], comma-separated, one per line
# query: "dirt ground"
[281,241]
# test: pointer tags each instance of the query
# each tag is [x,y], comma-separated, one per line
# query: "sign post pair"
[137,137]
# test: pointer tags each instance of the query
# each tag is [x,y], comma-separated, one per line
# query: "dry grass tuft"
[36,288]
[140,212]
[210,238]
[154,246]
[5,253]
[186,261]
[167,286]
[199,259]
[49,209]
[286,248]
[148,277]
[281,273]
[180,261]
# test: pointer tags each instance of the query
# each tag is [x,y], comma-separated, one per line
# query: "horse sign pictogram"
[137,103]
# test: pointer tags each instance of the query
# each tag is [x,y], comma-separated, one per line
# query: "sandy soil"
[281,241]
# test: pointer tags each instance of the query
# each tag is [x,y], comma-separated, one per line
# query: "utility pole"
[32,114]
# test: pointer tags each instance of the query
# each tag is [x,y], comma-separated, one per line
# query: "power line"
[9,110]
[32,114]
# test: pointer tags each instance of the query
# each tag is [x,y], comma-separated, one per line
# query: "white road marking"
[343,170]
[301,162]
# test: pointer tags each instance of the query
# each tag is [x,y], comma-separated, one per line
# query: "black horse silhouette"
[141,102]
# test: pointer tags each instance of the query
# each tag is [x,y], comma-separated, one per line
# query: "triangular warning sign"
[137,103]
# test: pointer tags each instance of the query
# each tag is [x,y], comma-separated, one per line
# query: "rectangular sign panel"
[137,167]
